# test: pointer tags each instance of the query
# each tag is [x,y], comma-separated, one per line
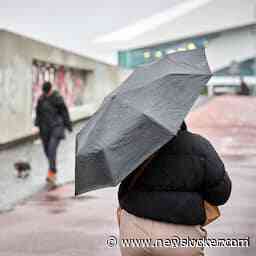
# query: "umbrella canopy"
[138,118]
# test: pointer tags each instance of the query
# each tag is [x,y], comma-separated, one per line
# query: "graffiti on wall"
[70,82]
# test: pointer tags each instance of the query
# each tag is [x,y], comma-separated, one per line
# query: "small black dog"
[23,169]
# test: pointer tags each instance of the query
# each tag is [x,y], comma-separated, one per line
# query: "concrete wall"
[3,117]
[16,57]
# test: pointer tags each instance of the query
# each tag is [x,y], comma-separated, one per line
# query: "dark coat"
[184,172]
[52,115]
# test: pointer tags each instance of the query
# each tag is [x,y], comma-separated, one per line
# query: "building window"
[147,55]
[158,54]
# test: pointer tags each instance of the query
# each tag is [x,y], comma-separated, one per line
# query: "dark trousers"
[50,145]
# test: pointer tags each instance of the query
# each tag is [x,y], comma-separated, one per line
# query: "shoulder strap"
[140,171]
[137,175]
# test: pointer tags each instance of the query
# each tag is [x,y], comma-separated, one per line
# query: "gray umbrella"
[138,118]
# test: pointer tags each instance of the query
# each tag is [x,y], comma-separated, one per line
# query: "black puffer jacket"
[51,112]
[184,172]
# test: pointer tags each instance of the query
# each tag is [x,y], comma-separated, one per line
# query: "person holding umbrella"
[52,117]
[139,128]
[164,197]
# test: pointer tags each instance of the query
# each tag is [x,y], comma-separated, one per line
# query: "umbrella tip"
[77,192]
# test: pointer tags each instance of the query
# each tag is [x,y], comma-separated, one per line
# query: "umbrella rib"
[170,59]
[107,173]
[145,115]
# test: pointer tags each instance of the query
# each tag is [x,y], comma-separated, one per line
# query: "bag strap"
[139,173]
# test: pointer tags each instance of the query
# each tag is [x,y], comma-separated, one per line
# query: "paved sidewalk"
[56,224]
[13,189]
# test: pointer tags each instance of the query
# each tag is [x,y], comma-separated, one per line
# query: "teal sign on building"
[135,57]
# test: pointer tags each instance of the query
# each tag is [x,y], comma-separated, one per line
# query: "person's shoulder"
[197,137]
[55,93]
[56,96]
[189,134]
[192,139]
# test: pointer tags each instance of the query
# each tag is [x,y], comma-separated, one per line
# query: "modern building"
[227,28]
[236,47]
[231,54]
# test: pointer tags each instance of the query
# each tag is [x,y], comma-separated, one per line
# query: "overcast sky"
[71,24]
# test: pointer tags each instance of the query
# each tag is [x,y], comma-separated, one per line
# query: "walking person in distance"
[52,118]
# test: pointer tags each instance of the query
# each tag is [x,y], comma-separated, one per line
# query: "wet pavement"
[230,124]
[55,223]
[13,189]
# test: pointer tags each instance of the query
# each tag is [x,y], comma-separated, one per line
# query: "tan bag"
[118,215]
[212,212]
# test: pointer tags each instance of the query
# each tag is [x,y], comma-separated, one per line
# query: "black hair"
[47,86]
